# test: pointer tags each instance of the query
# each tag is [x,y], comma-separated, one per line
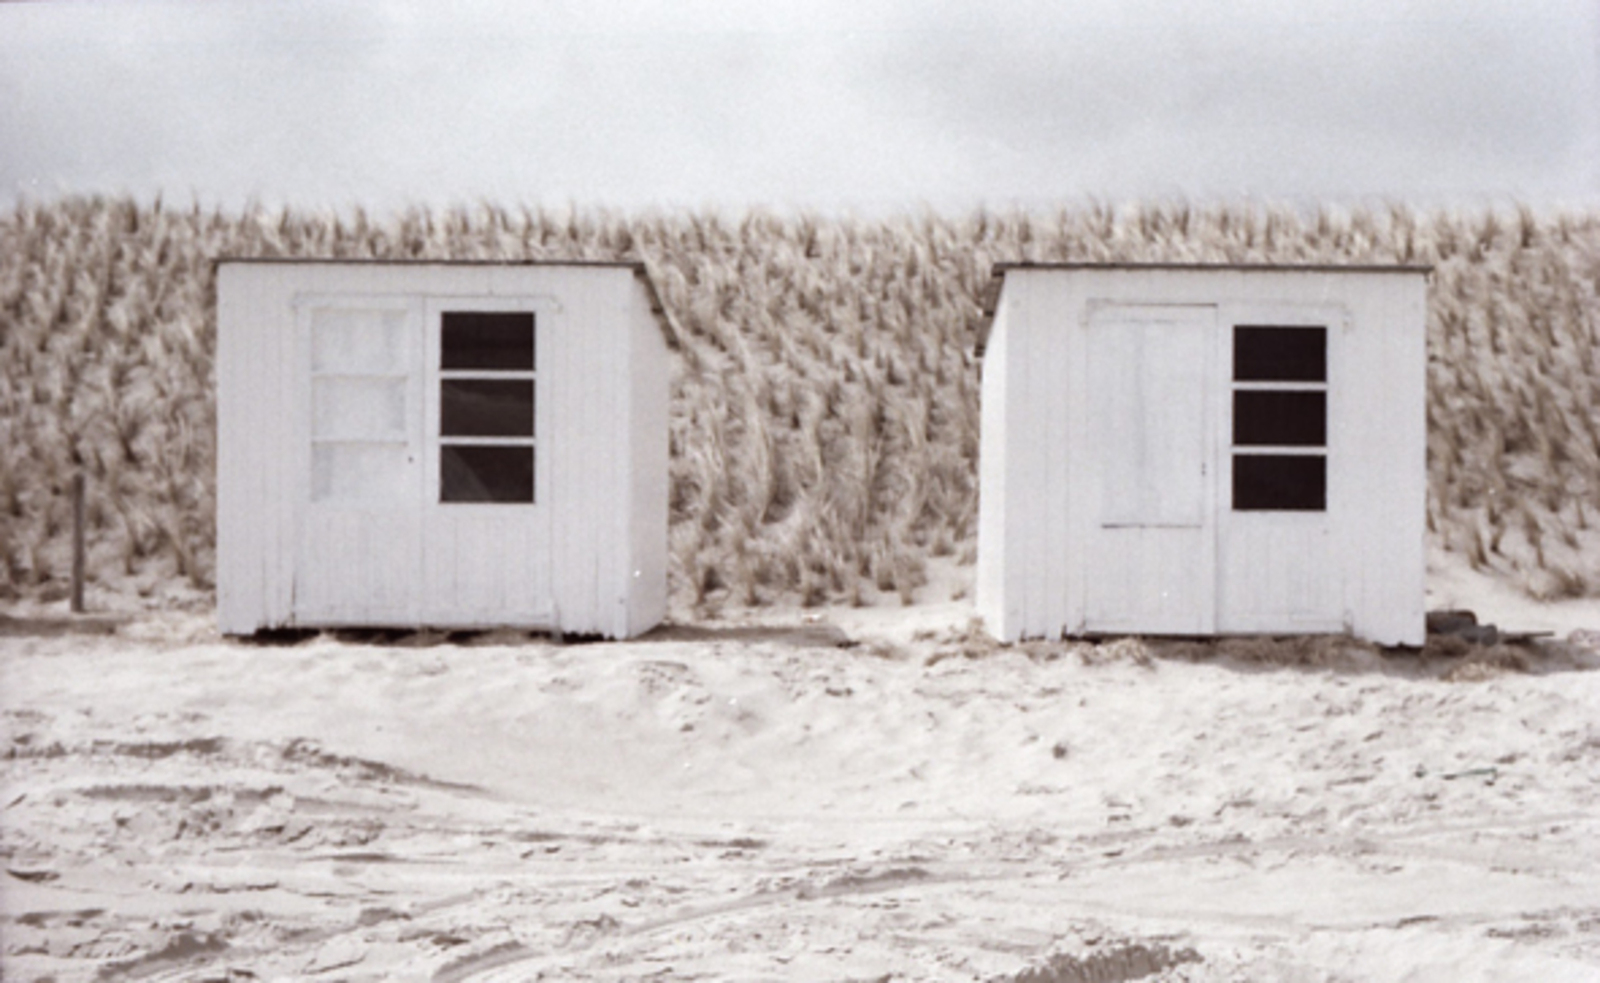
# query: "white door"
[359,417]
[1151,532]
[1278,561]
[486,485]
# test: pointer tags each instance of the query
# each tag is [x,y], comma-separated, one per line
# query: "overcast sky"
[825,104]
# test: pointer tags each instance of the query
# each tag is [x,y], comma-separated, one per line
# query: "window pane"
[1274,418]
[355,407]
[469,473]
[359,473]
[347,340]
[1264,354]
[486,340]
[1280,482]
[486,407]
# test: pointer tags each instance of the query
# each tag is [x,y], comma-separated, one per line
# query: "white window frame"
[1335,319]
[306,307]
[543,309]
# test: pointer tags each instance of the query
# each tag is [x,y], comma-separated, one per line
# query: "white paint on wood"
[649,476]
[994,557]
[487,564]
[328,431]
[1152,528]
[1277,571]
[1099,386]
[357,483]
[1148,374]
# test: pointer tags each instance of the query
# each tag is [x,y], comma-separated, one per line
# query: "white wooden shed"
[1204,450]
[441,444]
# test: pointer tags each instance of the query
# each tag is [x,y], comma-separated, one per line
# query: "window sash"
[486,387]
[1279,418]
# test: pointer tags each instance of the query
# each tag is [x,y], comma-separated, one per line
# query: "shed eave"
[381,261]
[1001,268]
[991,298]
[664,319]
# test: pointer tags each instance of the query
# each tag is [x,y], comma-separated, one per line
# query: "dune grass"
[824,426]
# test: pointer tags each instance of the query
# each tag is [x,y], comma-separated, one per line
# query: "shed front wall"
[1357,566]
[571,560]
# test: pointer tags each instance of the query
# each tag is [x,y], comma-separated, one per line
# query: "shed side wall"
[239,550]
[1037,386]
[648,395]
[994,558]
[245,360]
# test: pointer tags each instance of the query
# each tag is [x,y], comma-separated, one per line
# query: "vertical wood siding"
[1279,571]
[569,561]
[990,595]
[1149,387]
[586,440]
[355,563]
[1388,547]
[648,402]
[1053,560]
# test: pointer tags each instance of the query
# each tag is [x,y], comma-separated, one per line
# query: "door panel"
[486,565]
[485,513]
[1151,533]
[358,567]
[359,420]
[1274,567]
[1278,561]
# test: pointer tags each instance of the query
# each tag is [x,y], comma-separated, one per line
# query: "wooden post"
[77,543]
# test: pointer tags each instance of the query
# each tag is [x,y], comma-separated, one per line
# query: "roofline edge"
[998,271]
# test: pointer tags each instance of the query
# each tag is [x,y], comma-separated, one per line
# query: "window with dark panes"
[486,406]
[1280,418]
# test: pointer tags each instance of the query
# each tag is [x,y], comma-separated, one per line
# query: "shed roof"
[991,297]
[669,328]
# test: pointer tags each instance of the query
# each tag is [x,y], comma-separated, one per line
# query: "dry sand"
[749,799]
